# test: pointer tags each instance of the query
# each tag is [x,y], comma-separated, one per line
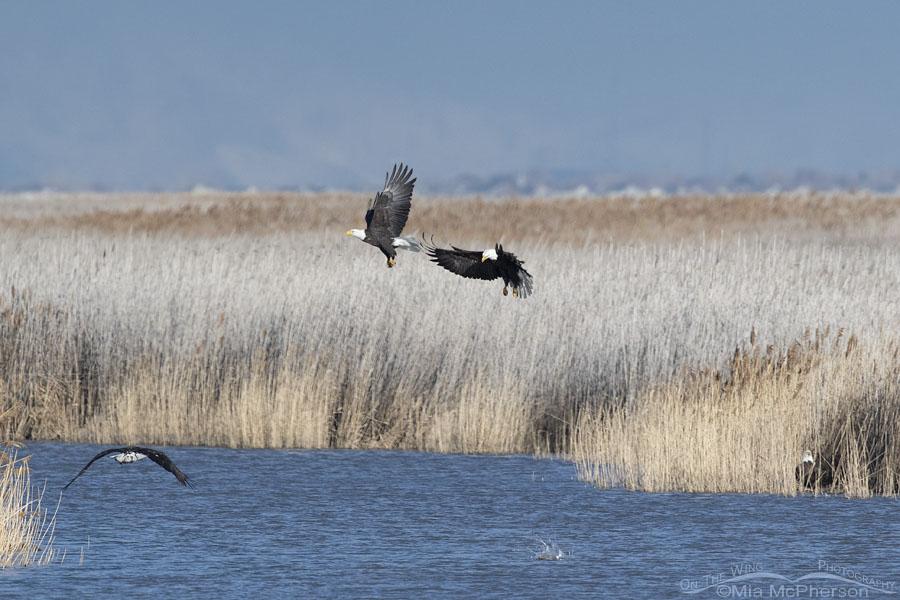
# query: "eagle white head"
[489,254]
[808,456]
[359,233]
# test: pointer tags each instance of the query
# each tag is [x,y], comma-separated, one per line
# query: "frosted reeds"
[286,339]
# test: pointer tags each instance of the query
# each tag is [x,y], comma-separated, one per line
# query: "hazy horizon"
[300,95]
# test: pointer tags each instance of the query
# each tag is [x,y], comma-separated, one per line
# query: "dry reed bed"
[26,531]
[812,216]
[740,428]
[185,335]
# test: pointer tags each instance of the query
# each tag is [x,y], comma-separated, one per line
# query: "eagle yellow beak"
[483,258]
[349,232]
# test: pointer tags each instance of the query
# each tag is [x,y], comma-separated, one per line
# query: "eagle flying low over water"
[490,264]
[387,215]
[132,454]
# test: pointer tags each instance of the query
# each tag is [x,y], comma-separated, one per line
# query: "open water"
[370,524]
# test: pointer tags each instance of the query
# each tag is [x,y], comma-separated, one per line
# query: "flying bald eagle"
[132,454]
[490,264]
[387,215]
[810,474]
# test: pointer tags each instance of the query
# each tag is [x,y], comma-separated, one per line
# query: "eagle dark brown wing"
[100,455]
[166,463]
[466,263]
[154,455]
[389,210]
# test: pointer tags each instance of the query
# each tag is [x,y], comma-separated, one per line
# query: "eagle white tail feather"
[407,242]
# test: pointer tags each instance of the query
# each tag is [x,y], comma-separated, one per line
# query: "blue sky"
[271,94]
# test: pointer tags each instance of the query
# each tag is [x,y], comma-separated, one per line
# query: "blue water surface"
[391,524]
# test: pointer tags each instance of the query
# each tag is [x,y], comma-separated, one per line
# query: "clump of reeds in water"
[744,427]
[26,531]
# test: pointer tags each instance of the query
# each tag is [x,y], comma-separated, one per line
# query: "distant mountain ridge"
[543,183]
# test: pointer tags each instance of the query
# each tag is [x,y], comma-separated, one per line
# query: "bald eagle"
[810,474]
[387,215]
[131,454]
[489,264]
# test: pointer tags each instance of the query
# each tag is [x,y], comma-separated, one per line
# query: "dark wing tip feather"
[182,478]
[398,176]
[166,463]
[90,462]
[428,245]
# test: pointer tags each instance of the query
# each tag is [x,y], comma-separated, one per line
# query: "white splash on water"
[548,551]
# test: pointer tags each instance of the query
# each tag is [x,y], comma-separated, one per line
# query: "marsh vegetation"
[250,321]
[26,529]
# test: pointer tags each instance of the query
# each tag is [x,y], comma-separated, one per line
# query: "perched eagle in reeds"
[387,215]
[810,474]
[132,454]
[489,264]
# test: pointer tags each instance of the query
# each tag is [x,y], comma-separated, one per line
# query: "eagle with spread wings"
[131,454]
[387,215]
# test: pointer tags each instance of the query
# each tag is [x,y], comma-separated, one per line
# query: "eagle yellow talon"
[515,292]
[391,262]
[505,291]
